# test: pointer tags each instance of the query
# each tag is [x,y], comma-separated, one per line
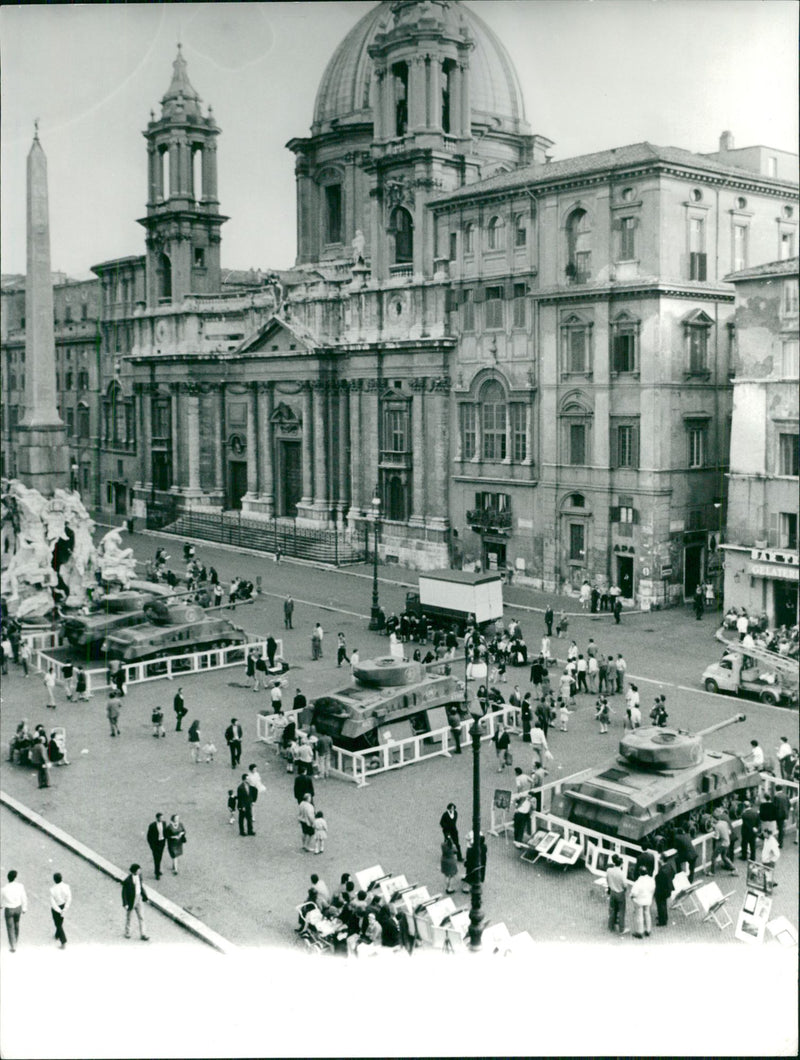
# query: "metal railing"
[489,518]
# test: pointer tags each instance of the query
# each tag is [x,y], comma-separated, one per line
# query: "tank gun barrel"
[722,724]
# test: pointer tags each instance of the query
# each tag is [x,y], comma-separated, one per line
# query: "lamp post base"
[376,620]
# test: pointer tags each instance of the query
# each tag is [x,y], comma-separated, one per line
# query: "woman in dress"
[449,864]
[194,740]
[176,837]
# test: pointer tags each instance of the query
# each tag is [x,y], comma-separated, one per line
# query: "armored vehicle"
[387,699]
[663,777]
[172,629]
[116,610]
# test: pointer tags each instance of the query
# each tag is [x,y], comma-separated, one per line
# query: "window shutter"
[479,294]
[614,446]
[614,514]
[635,516]
[509,289]
[635,447]
[451,300]
[774,539]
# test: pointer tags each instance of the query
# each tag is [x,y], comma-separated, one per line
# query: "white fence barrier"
[169,666]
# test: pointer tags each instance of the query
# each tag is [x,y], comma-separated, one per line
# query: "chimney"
[540,144]
[726,141]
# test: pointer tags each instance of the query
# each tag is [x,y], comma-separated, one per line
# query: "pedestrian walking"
[217,592]
[195,740]
[176,838]
[698,603]
[288,612]
[180,709]
[60,901]
[261,672]
[784,756]
[617,894]
[133,897]
[602,714]
[233,738]
[157,718]
[448,823]
[563,715]
[502,743]
[685,852]
[276,696]
[303,785]
[585,595]
[316,642]
[50,684]
[770,853]
[449,864]
[563,625]
[157,841]
[250,671]
[15,902]
[621,666]
[355,659]
[722,842]
[306,817]
[68,677]
[665,885]
[25,657]
[617,609]
[548,620]
[341,650]
[320,832]
[751,822]
[82,685]
[593,675]
[244,804]
[582,667]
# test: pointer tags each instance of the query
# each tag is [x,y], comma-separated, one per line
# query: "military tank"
[662,777]
[386,696]
[116,610]
[172,629]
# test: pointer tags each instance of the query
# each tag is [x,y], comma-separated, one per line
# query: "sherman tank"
[172,629]
[386,696]
[116,610]
[663,777]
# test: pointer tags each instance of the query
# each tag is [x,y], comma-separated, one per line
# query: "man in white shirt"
[15,903]
[755,759]
[642,894]
[784,756]
[742,625]
[60,901]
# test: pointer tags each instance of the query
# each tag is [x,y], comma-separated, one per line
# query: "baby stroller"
[307,932]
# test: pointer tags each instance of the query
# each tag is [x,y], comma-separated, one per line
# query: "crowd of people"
[754,632]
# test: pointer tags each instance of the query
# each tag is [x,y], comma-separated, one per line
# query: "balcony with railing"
[391,458]
[494,519]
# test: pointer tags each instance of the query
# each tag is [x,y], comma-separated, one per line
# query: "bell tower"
[183,219]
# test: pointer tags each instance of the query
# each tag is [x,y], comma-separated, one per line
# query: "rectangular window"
[83,422]
[68,380]
[739,247]
[199,257]
[624,351]
[787,246]
[519,434]
[469,239]
[627,248]
[468,312]
[577,542]
[468,432]
[772,166]
[698,349]
[697,235]
[788,538]
[396,427]
[520,305]
[790,358]
[162,426]
[333,213]
[789,453]
[790,298]
[70,421]
[520,233]
[697,446]
[161,470]
[494,430]
[577,443]
[453,245]
[494,308]
[625,446]
[109,493]
[577,350]
[583,266]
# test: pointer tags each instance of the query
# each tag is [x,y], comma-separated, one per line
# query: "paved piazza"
[246,889]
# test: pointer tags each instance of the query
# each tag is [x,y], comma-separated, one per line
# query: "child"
[209,750]
[602,713]
[157,718]
[231,805]
[320,832]
[563,715]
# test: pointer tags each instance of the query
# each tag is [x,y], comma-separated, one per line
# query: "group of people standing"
[14,900]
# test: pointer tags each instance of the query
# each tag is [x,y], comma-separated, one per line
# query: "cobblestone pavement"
[108,795]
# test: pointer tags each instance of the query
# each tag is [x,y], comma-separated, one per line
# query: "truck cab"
[743,675]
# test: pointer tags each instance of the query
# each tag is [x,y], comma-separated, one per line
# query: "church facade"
[526,363]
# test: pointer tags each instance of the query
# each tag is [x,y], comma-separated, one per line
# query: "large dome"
[344,90]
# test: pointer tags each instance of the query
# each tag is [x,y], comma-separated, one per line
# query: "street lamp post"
[475,668]
[375,617]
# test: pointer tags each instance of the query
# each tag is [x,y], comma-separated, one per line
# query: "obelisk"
[42,452]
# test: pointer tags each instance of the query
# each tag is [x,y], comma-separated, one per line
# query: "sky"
[595,74]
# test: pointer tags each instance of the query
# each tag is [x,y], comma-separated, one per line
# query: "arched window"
[579,255]
[495,234]
[493,421]
[197,172]
[403,228]
[164,277]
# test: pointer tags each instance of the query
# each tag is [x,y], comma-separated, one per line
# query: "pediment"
[279,338]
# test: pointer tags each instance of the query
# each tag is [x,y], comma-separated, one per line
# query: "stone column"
[377,104]
[528,433]
[389,127]
[210,152]
[416,93]
[252,445]
[434,93]
[266,401]
[321,494]
[436,462]
[466,114]
[344,437]
[308,448]
[356,461]
[176,411]
[420,455]
[174,170]
[217,421]
[193,442]
[152,173]
[456,115]
[145,435]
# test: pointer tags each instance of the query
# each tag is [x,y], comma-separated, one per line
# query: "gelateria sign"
[774,570]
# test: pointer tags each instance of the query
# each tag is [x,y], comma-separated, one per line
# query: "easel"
[713,903]
[684,897]
[501,804]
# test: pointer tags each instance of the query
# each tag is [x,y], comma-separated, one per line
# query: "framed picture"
[760,877]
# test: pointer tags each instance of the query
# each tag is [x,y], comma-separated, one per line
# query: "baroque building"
[761,549]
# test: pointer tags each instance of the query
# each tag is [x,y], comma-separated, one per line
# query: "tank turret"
[666,748]
[113,611]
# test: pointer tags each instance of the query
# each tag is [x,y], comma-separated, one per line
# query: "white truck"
[769,680]
[449,597]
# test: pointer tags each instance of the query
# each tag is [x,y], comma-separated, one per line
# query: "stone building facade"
[761,546]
